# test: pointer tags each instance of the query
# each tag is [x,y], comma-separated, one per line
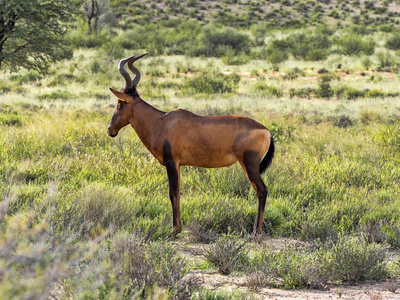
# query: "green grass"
[70,194]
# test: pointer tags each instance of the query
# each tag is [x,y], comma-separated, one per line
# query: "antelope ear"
[122,96]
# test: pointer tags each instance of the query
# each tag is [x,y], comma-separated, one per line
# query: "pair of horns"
[130,83]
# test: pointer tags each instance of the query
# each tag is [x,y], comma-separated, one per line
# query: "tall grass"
[75,203]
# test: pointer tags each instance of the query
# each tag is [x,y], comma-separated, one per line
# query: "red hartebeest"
[179,138]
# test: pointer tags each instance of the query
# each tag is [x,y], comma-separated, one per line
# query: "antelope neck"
[145,119]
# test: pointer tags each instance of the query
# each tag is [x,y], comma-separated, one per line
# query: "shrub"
[226,253]
[351,93]
[353,44]
[270,90]
[141,265]
[310,47]
[368,47]
[231,58]
[293,74]
[275,57]
[64,95]
[216,42]
[296,269]
[367,117]
[289,268]
[201,232]
[10,119]
[31,76]
[351,260]
[366,62]
[301,93]
[392,233]
[375,93]
[324,90]
[112,50]
[393,43]
[207,294]
[61,79]
[211,83]
[316,55]
[185,66]
[342,121]
[95,67]
[80,39]
[385,59]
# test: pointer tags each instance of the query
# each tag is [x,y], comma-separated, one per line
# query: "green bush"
[211,83]
[231,58]
[351,93]
[293,74]
[342,121]
[393,42]
[354,44]
[351,260]
[31,76]
[226,254]
[345,259]
[385,59]
[64,95]
[151,37]
[275,57]
[81,39]
[261,86]
[217,42]
[310,47]
[5,87]
[10,119]
[301,93]
[288,268]
[316,55]
[366,62]
[62,79]
[206,294]
[142,265]
[112,50]
[324,90]
[375,93]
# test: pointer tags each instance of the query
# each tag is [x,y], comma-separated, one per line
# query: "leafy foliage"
[30,39]
[211,83]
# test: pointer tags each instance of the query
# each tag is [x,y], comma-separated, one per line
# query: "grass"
[75,203]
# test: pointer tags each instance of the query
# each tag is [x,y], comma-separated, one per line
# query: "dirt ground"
[364,291]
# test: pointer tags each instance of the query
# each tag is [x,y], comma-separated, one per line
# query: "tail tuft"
[266,161]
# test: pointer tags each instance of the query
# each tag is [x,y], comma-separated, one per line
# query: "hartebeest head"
[123,112]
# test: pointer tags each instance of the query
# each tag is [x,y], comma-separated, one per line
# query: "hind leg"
[250,165]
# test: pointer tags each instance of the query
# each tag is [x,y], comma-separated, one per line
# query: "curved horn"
[135,71]
[124,73]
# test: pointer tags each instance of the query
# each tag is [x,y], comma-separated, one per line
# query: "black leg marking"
[251,160]
[174,182]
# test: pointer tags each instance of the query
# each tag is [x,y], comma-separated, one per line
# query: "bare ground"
[211,279]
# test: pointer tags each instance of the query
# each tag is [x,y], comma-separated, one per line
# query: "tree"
[99,12]
[32,33]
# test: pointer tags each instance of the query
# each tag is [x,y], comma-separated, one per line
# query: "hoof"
[175,232]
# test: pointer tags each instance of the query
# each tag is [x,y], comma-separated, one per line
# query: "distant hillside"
[274,13]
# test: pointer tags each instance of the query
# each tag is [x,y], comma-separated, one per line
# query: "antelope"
[182,138]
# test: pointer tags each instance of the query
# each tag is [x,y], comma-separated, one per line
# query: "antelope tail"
[266,161]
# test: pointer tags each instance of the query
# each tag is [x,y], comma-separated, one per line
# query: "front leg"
[173,171]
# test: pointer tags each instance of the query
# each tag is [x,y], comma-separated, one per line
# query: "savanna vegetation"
[84,216]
